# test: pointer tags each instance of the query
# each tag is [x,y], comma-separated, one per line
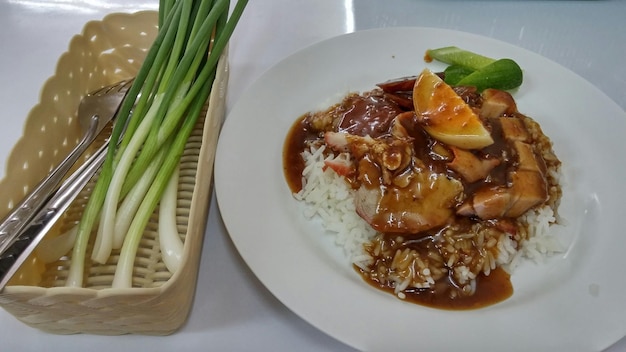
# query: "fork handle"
[15,222]
[27,240]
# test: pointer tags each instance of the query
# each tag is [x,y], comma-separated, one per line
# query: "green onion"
[50,249]
[171,244]
[159,113]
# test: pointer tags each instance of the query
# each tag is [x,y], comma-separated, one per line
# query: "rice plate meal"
[434,190]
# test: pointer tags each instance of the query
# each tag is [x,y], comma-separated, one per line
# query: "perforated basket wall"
[105,52]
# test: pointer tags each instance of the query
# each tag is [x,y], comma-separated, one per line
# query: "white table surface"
[232,310]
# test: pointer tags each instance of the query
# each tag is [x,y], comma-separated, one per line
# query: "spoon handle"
[12,257]
[15,222]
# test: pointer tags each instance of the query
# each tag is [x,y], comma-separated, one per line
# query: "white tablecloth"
[232,310]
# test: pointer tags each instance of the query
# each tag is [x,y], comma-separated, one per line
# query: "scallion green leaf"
[156,119]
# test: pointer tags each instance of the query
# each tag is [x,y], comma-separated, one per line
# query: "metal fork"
[23,228]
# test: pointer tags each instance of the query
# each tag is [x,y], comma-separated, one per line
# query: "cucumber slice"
[503,74]
[455,73]
[452,55]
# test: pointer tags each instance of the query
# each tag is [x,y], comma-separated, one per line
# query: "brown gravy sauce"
[489,290]
[373,115]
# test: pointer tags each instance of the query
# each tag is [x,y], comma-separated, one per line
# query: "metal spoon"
[96,109]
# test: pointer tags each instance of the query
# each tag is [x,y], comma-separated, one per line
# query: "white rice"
[329,197]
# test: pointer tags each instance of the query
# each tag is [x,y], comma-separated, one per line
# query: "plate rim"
[221,159]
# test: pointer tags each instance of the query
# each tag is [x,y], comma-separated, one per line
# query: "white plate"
[572,302]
